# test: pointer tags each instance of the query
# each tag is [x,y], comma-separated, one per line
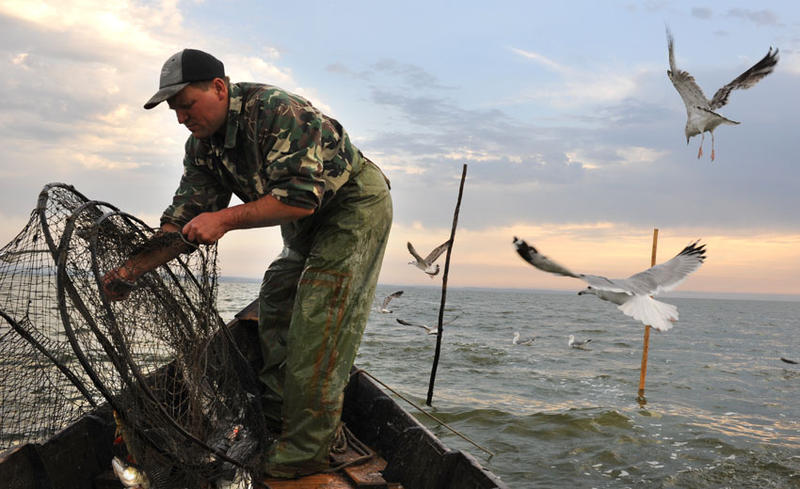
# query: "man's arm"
[161,248]
[209,227]
[206,228]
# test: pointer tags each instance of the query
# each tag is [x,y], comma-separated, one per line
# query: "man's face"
[203,112]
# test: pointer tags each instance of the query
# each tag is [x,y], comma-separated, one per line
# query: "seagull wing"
[747,79]
[683,82]
[414,253]
[391,296]
[450,320]
[409,323]
[667,275]
[433,255]
[538,260]
[608,284]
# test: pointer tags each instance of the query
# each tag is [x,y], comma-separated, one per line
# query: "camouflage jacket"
[275,143]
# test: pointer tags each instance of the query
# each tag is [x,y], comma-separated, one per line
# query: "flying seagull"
[522,341]
[700,112]
[419,325]
[426,264]
[633,295]
[388,299]
[427,328]
[573,343]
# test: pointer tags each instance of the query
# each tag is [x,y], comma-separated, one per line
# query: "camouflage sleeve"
[198,192]
[302,160]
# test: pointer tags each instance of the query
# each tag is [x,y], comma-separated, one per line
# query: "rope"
[426,413]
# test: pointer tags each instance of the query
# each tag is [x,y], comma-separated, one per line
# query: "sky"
[571,131]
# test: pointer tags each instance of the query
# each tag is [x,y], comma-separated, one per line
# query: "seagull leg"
[712,145]
[700,151]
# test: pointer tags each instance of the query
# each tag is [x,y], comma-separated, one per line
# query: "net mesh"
[185,399]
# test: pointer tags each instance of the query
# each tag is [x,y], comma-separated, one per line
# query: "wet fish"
[129,475]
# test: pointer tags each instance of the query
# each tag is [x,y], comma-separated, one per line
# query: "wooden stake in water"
[444,288]
[646,344]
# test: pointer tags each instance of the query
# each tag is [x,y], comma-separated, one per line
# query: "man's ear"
[220,88]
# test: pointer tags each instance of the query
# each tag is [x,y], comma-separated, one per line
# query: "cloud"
[410,75]
[485,257]
[579,87]
[759,17]
[701,13]
[126,26]
[76,76]
[616,155]
[593,151]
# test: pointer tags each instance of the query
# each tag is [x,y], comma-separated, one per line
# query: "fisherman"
[294,167]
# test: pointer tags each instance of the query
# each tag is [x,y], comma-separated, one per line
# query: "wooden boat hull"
[79,457]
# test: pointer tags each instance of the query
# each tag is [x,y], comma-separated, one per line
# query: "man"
[295,167]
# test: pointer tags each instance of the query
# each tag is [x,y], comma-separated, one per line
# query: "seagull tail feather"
[659,315]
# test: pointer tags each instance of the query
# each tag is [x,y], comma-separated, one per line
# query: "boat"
[391,448]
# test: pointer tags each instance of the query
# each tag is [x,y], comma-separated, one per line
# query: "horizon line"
[678,294]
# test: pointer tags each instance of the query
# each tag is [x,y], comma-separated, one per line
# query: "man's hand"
[118,283]
[205,228]
[209,227]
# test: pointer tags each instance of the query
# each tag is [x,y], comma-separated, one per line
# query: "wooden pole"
[444,288]
[646,343]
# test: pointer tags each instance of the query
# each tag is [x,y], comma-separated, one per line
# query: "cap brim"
[164,94]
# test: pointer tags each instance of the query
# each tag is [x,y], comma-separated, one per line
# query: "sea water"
[721,410]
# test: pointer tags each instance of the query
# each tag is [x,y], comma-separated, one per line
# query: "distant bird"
[633,295]
[786,360]
[388,299]
[573,343]
[419,325]
[700,112]
[429,329]
[426,264]
[522,341]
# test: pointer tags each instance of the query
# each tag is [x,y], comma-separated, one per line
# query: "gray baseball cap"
[183,68]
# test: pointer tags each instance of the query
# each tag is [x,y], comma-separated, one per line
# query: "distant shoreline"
[669,295]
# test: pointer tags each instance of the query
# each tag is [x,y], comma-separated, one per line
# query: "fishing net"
[185,399]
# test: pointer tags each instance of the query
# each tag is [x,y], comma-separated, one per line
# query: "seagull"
[426,264]
[419,325]
[633,295]
[700,112]
[525,341]
[786,360]
[388,299]
[427,328]
[577,344]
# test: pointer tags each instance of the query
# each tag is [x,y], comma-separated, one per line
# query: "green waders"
[314,303]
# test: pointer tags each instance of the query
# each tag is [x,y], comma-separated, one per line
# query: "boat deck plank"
[315,481]
[368,475]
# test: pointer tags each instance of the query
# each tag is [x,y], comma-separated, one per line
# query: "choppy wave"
[721,409]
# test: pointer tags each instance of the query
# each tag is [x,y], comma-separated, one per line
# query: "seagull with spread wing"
[427,264]
[385,306]
[429,329]
[633,295]
[700,112]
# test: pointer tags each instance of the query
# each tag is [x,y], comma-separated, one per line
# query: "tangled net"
[185,399]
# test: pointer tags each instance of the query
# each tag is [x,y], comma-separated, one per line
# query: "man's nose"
[182,116]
